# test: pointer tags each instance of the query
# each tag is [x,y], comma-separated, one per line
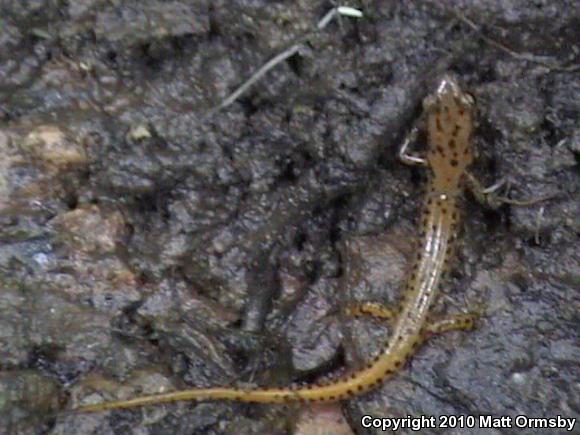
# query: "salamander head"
[450,113]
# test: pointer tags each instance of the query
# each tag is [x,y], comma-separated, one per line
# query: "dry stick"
[281,57]
[523,56]
[538,223]
[257,76]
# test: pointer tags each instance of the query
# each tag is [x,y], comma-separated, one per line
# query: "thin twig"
[538,223]
[281,57]
[523,56]
[257,76]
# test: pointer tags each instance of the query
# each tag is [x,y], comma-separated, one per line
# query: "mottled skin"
[449,125]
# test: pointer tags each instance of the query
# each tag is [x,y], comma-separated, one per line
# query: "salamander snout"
[448,88]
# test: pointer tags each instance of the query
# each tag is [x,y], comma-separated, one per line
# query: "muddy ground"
[148,244]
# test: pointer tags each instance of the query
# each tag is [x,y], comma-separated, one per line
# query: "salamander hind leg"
[453,322]
[371,309]
[440,325]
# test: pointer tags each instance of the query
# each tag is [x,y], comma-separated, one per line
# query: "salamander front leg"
[410,159]
[488,197]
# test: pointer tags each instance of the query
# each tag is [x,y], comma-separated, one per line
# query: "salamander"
[449,124]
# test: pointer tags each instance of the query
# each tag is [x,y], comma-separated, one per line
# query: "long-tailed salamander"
[449,113]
